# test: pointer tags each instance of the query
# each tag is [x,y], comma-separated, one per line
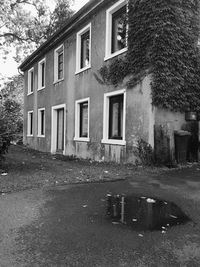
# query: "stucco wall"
[166,122]
[139,112]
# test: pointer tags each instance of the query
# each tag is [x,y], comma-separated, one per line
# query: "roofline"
[58,36]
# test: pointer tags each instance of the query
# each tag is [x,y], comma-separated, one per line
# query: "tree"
[11,123]
[26,24]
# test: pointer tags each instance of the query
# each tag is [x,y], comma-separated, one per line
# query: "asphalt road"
[67,226]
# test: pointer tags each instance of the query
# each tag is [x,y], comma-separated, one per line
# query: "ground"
[53,213]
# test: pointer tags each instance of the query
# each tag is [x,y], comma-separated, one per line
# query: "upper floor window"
[83,49]
[30,81]
[116,29]
[82,119]
[41,74]
[59,63]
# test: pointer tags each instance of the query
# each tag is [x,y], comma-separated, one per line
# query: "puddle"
[144,213]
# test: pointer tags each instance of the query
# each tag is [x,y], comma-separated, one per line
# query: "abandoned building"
[67,110]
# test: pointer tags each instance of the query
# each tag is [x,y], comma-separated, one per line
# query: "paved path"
[66,225]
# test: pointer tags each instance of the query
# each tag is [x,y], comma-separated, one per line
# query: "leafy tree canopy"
[26,24]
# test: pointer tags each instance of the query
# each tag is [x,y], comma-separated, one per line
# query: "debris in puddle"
[84,206]
[140,215]
[4,173]
[56,182]
[163,232]
[3,194]
[103,200]
[140,235]
[150,200]
[106,171]
[173,216]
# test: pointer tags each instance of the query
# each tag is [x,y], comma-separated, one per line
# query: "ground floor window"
[82,120]
[30,123]
[41,122]
[114,117]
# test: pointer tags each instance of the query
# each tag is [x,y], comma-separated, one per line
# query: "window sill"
[42,136]
[57,81]
[83,69]
[113,142]
[29,135]
[81,139]
[29,93]
[39,89]
[109,56]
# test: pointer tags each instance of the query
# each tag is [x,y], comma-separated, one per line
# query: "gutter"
[57,37]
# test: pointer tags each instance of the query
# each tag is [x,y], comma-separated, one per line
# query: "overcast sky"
[9,68]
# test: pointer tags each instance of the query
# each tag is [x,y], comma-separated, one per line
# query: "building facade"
[67,110]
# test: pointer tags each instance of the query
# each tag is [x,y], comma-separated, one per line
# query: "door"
[60,130]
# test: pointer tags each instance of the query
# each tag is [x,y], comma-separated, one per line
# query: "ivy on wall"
[162,41]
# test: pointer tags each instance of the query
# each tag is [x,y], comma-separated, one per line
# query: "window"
[41,74]
[30,81]
[59,64]
[30,123]
[116,29]
[83,49]
[82,120]
[41,122]
[114,118]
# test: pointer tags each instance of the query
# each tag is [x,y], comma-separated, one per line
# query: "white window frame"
[109,13]
[28,123]
[78,49]
[77,120]
[56,53]
[40,87]
[29,81]
[39,122]
[106,139]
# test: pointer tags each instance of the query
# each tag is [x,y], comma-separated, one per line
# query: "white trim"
[28,123]
[77,120]
[61,47]
[78,48]
[54,127]
[39,122]
[40,87]
[29,81]
[105,139]
[109,12]
[125,49]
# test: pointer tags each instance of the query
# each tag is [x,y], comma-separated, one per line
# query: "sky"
[9,67]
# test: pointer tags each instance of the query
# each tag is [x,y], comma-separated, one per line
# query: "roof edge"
[82,14]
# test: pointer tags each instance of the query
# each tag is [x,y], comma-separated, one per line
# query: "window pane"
[43,74]
[60,65]
[31,77]
[31,123]
[85,49]
[116,117]
[42,122]
[119,29]
[84,119]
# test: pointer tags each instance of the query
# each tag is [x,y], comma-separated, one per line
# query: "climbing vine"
[162,41]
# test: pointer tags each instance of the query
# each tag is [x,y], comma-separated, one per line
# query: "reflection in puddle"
[143,213]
